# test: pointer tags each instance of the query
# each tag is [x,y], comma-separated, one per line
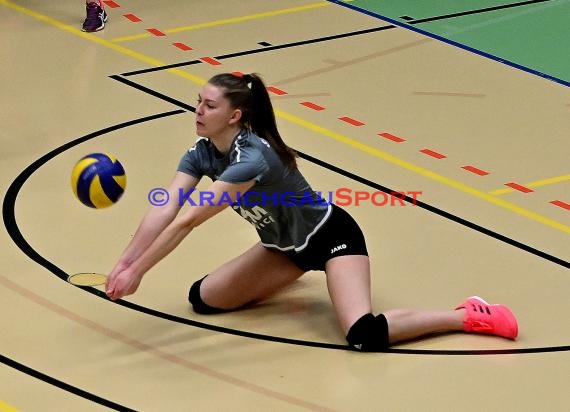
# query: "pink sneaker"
[480,317]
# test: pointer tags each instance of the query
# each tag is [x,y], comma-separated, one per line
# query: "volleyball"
[98,180]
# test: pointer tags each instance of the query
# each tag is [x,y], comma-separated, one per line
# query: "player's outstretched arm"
[153,223]
[221,195]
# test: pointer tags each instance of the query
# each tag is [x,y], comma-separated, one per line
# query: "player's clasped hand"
[122,283]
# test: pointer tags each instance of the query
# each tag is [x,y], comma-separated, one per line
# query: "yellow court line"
[222,22]
[91,37]
[4,407]
[315,128]
[94,38]
[537,183]
[87,36]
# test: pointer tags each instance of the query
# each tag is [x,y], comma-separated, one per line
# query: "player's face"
[214,115]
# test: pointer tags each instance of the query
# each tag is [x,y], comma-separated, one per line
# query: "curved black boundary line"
[62,385]
[9,217]
[451,42]
[8,213]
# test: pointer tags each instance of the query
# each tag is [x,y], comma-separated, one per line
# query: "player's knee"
[198,304]
[369,333]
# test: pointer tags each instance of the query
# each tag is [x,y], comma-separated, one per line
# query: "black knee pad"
[369,333]
[198,304]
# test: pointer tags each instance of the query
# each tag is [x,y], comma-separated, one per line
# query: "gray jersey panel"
[281,205]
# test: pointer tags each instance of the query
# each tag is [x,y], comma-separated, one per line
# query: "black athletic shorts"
[339,236]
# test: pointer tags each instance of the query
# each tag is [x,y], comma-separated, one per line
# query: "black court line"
[62,385]
[477,11]
[8,214]
[255,51]
[482,53]
[440,212]
[153,93]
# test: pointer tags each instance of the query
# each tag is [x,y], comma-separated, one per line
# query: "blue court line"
[451,42]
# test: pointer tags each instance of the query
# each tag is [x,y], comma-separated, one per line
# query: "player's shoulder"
[251,141]
[201,143]
[248,146]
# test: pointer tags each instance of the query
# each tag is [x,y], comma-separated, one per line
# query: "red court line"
[240,74]
[561,204]
[277,91]
[518,187]
[312,106]
[111,4]
[182,46]
[155,32]
[210,60]
[475,170]
[351,121]
[433,154]
[132,17]
[392,137]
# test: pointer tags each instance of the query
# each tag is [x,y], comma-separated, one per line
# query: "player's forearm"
[152,225]
[164,243]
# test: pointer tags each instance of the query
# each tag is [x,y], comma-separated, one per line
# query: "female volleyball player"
[254,171]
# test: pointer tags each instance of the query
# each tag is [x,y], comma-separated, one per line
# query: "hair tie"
[248,78]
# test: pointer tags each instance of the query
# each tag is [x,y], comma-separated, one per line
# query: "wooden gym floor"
[467,104]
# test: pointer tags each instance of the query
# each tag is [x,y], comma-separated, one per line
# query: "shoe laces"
[93,11]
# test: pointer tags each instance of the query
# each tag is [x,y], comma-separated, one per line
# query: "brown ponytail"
[249,94]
